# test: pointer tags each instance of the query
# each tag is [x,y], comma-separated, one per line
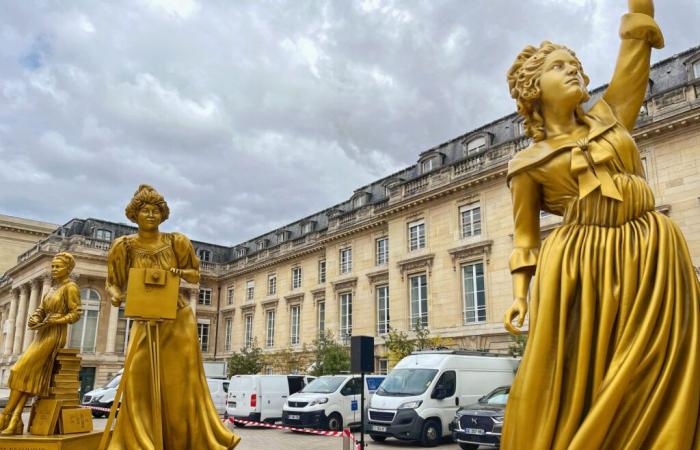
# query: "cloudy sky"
[248,115]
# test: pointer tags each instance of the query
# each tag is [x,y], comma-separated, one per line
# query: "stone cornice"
[344,283]
[270,303]
[248,309]
[378,276]
[417,262]
[482,248]
[294,298]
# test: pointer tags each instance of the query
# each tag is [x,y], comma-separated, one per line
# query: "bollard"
[347,440]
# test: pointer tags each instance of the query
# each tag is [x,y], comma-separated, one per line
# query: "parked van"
[218,389]
[260,397]
[103,397]
[331,402]
[417,401]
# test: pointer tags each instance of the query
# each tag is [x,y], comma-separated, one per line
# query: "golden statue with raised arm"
[612,359]
[31,374]
[188,418]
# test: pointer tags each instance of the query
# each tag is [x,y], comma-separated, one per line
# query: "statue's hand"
[175,271]
[116,297]
[33,323]
[641,6]
[517,310]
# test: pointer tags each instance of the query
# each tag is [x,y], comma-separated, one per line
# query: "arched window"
[476,145]
[123,332]
[83,333]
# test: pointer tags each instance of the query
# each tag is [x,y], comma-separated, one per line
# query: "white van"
[260,397]
[417,401]
[218,389]
[331,402]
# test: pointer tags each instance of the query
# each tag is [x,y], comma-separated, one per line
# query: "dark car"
[480,424]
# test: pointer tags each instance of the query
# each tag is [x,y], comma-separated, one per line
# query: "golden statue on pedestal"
[31,374]
[612,357]
[184,418]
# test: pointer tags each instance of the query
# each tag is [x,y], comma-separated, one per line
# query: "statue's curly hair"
[146,195]
[67,259]
[524,83]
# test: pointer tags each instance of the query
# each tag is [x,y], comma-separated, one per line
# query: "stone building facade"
[429,243]
[17,235]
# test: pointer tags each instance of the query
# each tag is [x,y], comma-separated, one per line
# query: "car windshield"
[324,385]
[114,383]
[496,397]
[405,382]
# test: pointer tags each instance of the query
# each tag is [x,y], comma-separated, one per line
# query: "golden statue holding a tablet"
[163,359]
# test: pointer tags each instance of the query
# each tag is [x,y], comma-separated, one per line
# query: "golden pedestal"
[83,441]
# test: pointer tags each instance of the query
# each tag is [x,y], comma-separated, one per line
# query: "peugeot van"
[419,398]
[218,389]
[260,398]
[330,402]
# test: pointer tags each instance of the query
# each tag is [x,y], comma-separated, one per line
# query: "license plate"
[378,428]
[232,404]
[294,417]
[477,431]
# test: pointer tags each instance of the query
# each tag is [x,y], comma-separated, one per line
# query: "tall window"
[203,335]
[250,290]
[248,331]
[272,284]
[321,318]
[382,309]
[345,317]
[204,254]
[382,251]
[295,317]
[228,332]
[84,332]
[383,366]
[270,329]
[696,69]
[419,300]
[476,145]
[229,295]
[470,216]
[296,277]
[103,235]
[416,235]
[346,260]
[427,165]
[321,271]
[474,293]
[123,330]
[204,296]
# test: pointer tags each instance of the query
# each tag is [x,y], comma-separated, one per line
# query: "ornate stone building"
[17,235]
[429,243]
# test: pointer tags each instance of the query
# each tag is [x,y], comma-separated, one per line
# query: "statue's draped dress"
[612,357]
[32,371]
[189,416]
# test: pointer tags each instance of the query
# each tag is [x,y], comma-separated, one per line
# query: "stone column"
[10,336]
[21,320]
[194,297]
[33,304]
[112,329]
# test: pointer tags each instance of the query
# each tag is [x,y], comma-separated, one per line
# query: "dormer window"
[360,199]
[307,227]
[520,124]
[262,244]
[282,236]
[204,255]
[476,145]
[103,235]
[427,165]
[696,69]
[240,252]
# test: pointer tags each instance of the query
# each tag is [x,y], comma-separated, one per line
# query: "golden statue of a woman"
[189,418]
[31,374]
[612,357]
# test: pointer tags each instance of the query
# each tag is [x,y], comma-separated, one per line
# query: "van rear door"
[240,391]
[274,392]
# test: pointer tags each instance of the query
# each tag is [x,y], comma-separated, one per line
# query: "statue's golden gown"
[189,417]
[612,357]
[32,371]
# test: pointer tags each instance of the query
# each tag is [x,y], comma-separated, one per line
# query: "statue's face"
[562,80]
[149,218]
[59,268]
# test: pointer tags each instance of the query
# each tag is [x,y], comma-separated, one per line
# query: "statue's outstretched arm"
[639,33]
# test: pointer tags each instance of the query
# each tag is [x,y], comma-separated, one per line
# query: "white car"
[103,397]
[259,398]
[218,389]
[419,398]
[331,402]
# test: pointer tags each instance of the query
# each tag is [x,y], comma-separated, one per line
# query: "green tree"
[519,342]
[329,356]
[291,361]
[399,345]
[249,361]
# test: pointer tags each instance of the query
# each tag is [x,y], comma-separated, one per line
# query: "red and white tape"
[96,408]
[345,432]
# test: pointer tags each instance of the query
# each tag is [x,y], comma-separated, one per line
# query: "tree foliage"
[400,345]
[249,361]
[329,356]
[517,348]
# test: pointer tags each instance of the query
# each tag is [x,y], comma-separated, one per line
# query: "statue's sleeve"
[72,294]
[184,252]
[526,194]
[118,264]
[625,94]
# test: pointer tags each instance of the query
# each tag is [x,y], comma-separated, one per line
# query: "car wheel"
[431,434]
[468,446]
[96,414]
[377,438]
[239,424]
[335,422]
